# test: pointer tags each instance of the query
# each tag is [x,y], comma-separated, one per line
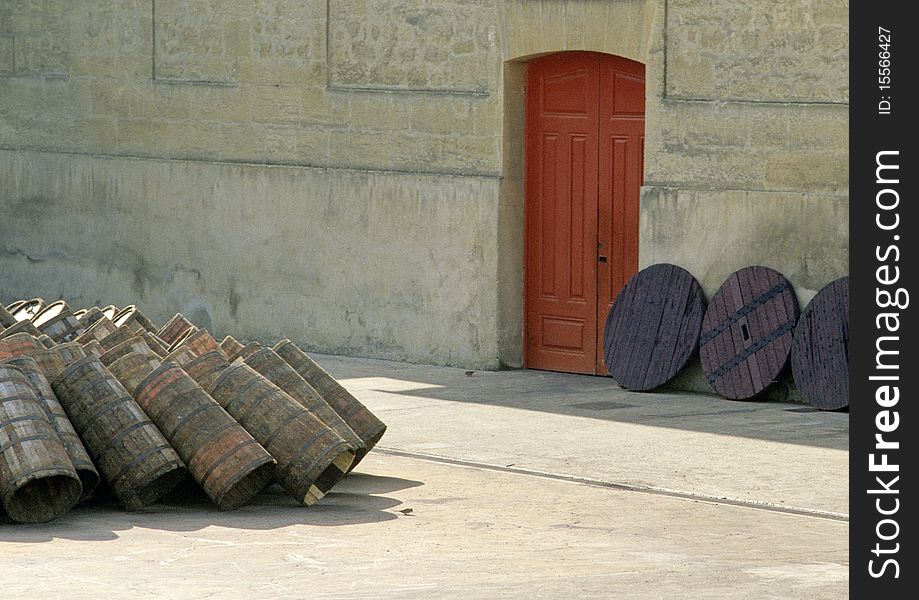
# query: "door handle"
[602,258]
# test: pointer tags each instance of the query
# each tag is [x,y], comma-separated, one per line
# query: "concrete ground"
[495,485]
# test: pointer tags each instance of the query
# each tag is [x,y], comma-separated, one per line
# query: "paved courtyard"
[511,484]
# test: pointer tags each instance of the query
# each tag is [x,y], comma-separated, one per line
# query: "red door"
[584,147]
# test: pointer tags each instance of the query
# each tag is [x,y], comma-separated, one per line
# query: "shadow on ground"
[598,398]
[354,501]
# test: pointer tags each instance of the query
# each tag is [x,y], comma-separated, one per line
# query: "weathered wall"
[261,251]
[368,156]
[747,144]
[144,143]
[747,140]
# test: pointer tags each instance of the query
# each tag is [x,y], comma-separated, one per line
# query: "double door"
[585,117]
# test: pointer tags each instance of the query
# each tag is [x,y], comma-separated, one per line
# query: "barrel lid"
[14,306]
[49,312]
[110,311]
[820,350]
[652,329]
[182,338]
[124,314]
[747,332]
[28,309]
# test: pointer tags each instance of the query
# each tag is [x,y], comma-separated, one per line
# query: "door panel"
[622,131]
[584,143]
[561,212]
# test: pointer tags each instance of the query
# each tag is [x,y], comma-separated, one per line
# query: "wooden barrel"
[77,454]
[652,329]
[358,417]
[37,481]
[228,464]
[57,321]
[49,311]
[246,351]
[27,309]
[20,327]
[180,356]
[63,328]
[311,457]
[230,346]
[69,351]
[174,328]
[52,361]
[820,349]
[89,316]
[49,361]
[206,368]
[6,319]
[747,331]
[46,341]
[13,306]
[268,363]
[134,344]
[131,314]
[133,456]
[155,343]
[132,368]
[19,344]
[99,330]
[93,347]
[199,341]
[122,334]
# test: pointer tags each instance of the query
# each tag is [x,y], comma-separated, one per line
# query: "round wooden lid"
[652,329]
[124,314]
[820,352]
[747,332]
[49,312]
[28,309]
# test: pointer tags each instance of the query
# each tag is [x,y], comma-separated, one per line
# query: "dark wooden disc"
[747,332]
[820,352]
[652,329]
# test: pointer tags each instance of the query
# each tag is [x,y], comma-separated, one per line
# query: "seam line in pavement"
[628,487]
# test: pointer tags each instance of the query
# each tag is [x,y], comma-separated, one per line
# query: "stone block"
[275,104]
[762,51]
[401,45]
[197,42]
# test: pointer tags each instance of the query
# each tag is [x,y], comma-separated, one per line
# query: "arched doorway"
[584,137]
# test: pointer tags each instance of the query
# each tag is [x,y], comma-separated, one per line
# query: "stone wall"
[239,159]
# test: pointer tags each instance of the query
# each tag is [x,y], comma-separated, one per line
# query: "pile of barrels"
[746,335]
[103,400]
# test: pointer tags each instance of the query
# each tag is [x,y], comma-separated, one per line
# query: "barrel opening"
[89,478]
[44,498]
[361,452]
[329,477]
[160,485]
[247,487]
[376,437]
